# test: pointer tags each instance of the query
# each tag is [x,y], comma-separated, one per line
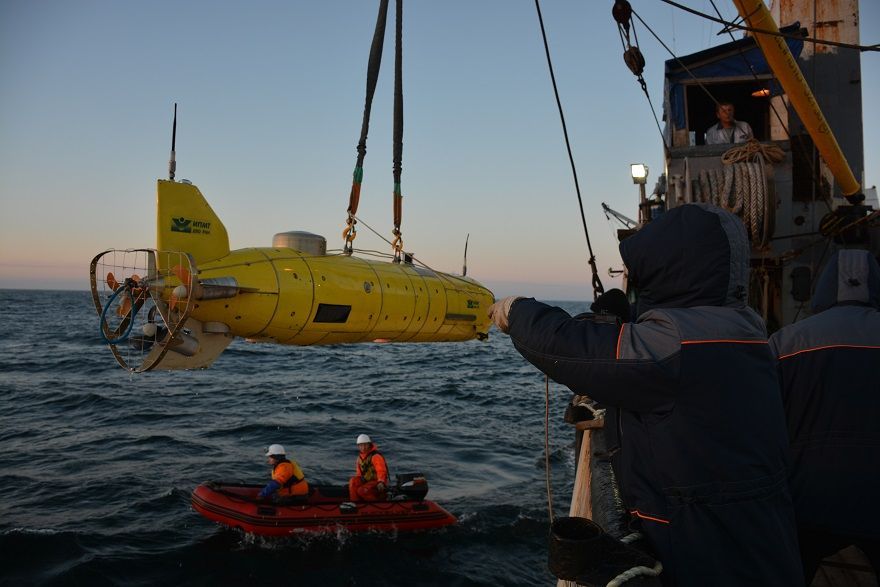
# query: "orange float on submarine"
[180,305]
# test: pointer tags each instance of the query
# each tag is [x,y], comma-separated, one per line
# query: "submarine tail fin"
[185,222]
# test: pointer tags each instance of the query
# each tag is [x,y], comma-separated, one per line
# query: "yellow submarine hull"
[294,298]
[180,305]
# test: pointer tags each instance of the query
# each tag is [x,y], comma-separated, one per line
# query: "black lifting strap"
[398,115]
[372,77]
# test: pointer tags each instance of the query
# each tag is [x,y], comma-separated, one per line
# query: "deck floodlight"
[639,172]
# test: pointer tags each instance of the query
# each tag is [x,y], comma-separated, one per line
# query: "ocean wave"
[98,464]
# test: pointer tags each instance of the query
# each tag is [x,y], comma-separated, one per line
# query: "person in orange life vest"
[371,473]
[287,478]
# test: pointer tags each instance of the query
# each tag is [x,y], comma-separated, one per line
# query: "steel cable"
[598,289]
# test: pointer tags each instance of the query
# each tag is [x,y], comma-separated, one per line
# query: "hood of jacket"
[851,276]
[692,255]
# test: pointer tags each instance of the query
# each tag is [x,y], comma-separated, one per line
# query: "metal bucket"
[574,546]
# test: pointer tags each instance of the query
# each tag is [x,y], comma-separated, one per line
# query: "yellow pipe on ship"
[783,64]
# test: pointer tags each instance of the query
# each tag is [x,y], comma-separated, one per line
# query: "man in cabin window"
[728,130]
[371,473]
[701,461]
[828,371]
[287,478]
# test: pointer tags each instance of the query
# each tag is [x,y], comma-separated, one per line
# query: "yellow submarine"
[180,305]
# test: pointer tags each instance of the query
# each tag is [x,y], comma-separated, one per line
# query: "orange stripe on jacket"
[724,341]
[619,338]
[719,341]
[639,514]
[829,346]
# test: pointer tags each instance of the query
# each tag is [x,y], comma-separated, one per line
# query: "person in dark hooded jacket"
[702,457]
[828,371]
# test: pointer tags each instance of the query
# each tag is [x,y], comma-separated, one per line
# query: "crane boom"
[625,220]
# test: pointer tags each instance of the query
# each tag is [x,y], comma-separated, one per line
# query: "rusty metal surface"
[832,20]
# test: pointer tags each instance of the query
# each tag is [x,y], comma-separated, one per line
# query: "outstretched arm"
[583,355]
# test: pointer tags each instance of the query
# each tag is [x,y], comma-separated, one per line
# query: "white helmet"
[275,449]
[363,438]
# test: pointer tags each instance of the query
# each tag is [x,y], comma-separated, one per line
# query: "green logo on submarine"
[191,226]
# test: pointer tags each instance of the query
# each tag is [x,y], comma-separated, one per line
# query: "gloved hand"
[380,487]
[613,301]
[500,310]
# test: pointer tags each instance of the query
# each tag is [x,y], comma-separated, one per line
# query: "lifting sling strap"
[372,77]
[397,243]
[373,67]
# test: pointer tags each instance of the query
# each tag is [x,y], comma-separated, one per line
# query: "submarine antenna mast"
[464,264]
[172,163]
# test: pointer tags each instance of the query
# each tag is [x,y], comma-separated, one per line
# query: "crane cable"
[397,243]
[373,66]
[598,289]
[632,55]
[375,62]
[729,25]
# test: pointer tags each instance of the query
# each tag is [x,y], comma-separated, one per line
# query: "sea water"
[97,465]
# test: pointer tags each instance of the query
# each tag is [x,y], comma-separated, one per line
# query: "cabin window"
[750,98]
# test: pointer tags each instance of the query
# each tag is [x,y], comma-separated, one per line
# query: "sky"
[270,99]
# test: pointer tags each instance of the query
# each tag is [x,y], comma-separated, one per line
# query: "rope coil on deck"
[741,187]
[752,150]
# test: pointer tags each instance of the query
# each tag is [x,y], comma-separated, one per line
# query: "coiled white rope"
[740,188]
[752,150]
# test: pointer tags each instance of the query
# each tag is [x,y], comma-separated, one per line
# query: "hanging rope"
[598,289]
[373,66]
[674,56]
[547,447]
[397,243]
[632,55]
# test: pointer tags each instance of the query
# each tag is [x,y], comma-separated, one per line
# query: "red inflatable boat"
[325,509]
